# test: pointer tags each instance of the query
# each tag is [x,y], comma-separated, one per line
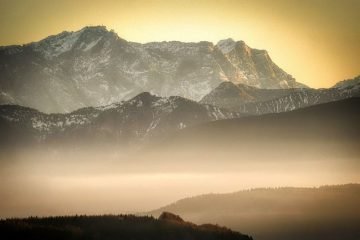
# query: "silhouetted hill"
[323,131]
[112,227]
[328,212]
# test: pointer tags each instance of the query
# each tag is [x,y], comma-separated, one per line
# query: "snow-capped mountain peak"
[95,67]
[54,46]
[83,39]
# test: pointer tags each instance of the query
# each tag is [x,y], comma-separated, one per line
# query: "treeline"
[110,227]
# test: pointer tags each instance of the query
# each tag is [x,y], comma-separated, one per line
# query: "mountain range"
[94,67]
[138,119]
[185,107]
[98,84]
[147,116]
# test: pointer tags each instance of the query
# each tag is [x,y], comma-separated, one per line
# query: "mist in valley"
[59,181]
[260,175]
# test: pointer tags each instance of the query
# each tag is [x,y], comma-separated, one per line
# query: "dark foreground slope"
[329,212]
[168,226]
[324,132]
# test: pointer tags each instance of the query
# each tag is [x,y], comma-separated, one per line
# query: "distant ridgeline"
[168,226]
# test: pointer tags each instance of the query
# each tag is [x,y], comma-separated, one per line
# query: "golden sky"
[317,41]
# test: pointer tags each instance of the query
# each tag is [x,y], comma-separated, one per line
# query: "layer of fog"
[103,181]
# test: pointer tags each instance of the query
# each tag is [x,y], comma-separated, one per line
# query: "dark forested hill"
[167,227]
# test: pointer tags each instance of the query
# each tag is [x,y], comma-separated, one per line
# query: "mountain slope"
[94,67]
[141,118]
[250,100]
[113,227]
[232,96]
[329,212]
[326,132]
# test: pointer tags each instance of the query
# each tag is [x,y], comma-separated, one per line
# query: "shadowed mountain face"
[330,212]
[327,131]
[323,130]
[94,67]
[141,118]
[113,227]
[250,100]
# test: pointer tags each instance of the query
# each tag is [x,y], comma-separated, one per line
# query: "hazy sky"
[317,41]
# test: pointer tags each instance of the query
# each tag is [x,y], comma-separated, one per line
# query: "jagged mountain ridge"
[138,119]
[95,67]
[250,100]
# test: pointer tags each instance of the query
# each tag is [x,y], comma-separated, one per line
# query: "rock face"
[254,67]
[138,119]
[94,67]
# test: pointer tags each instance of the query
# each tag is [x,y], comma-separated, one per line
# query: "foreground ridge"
[113,227]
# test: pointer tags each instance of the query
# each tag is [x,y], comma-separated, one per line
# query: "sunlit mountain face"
[316,41]
[180,138]
[94,67]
